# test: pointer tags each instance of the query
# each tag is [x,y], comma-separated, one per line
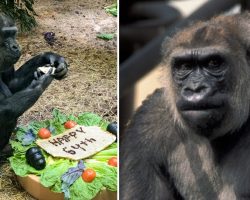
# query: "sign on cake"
[77,143]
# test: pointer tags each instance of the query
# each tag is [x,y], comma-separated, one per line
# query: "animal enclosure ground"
[91,82]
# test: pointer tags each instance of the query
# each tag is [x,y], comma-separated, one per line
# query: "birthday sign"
[77,143]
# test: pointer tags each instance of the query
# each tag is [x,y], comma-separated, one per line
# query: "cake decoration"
[77,143]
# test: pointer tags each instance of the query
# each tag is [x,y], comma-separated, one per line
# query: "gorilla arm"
[10,108]
[28,96]
[20,79]
[141,168]
[153,151]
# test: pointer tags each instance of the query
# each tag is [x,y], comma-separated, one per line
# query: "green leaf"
[53,172]
[59,116]
[89,119]
[107,174]
[21,167]
[112,9]
[81,190]
[106,154]
[106,36]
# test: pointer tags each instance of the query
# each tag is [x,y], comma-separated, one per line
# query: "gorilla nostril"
[196,94]
[14,47]
[201,89]
[196,89]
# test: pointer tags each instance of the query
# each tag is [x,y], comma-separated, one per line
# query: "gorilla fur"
[191,139]
[21,88]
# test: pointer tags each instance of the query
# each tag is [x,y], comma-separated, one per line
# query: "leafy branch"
[21,11]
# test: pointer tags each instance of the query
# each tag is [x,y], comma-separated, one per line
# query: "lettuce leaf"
[107,174]
[81,190]
[53,172]
[106,154]
[21,167]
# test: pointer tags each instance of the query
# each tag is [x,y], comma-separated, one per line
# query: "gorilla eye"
[214,63]
[182,68]
[183,65]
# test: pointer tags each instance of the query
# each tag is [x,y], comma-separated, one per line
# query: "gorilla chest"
[235,168]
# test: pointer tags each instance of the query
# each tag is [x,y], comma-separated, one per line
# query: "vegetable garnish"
[113,161]
[70,124]
[35,158]
[112,128]
[44,133]
[28,138]
[70,177]
[88,175]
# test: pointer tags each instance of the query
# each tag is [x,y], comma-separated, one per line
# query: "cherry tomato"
[88,175]
[69,124]
[113,161]
[44,133]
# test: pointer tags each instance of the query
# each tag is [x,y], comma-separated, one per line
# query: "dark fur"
[20,89]
[163,156]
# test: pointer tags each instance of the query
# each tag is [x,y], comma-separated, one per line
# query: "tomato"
[113,161]
[69,124]
[44,133]
[88,175]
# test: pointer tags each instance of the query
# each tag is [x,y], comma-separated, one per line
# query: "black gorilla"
[191,139]
[20,89]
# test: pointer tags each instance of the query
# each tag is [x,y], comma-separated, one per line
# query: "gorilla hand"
[58,62]
[41,81]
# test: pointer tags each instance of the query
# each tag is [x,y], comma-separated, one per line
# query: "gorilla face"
[199,75]
[207,78]
[9,47]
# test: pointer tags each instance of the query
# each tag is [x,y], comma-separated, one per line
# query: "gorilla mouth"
[200,106]
[204,114]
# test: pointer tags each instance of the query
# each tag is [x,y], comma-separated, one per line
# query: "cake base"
[33,186]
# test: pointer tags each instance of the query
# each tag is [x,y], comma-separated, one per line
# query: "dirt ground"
[91,82]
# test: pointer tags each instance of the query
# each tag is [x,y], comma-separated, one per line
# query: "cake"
[68,153]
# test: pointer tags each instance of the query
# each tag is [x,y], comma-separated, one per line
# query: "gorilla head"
[9,47]
[193,136]
[203,89]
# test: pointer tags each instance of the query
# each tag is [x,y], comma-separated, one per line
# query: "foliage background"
[21,11]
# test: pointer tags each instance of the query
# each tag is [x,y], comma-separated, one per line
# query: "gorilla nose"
[16,51]
[197,93]
[15,47]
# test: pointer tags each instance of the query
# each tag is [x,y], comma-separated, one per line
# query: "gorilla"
[20,89]
[191,139]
